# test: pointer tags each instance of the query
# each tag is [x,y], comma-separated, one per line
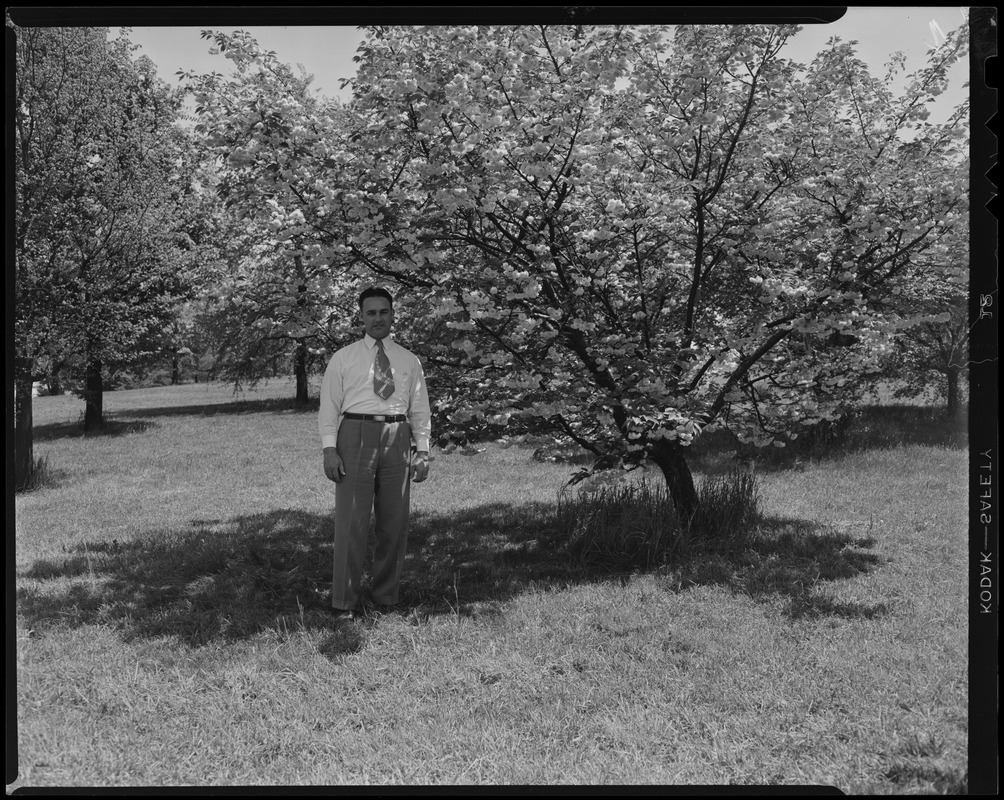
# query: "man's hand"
[333,467]
[420,466]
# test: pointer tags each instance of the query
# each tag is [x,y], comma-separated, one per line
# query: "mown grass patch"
[169,630]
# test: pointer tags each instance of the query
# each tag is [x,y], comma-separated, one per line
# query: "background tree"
[931,356]
[263,318]
[281,296]
[892,189]
[96,252]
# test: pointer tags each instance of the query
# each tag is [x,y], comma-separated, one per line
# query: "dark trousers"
[376,457]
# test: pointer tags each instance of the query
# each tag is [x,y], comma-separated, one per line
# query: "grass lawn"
[170,629]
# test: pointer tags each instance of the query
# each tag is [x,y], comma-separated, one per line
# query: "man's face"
[377,316]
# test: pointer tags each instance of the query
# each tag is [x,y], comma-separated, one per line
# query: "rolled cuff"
[329,441]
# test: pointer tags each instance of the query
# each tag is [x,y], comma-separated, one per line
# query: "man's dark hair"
[376,291]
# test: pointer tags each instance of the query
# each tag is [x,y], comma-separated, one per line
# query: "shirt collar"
[371,342]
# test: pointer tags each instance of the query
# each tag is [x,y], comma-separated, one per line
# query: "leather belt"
[378,417]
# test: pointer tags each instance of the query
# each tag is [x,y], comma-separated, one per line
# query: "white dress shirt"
[348,388]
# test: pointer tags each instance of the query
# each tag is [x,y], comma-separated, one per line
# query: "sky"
[326,51]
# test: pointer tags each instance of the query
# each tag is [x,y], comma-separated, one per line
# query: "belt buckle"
[379,418]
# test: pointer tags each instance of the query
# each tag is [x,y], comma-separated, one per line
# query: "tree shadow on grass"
[263,405]
[790,559]
[139,420]
[110,427]
[227,580]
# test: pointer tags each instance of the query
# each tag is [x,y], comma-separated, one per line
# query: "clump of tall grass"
[619,526]
[39,476]
[728,509]
[636,525]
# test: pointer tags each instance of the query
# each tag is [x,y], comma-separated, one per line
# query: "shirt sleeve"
[332,393]
[419,412]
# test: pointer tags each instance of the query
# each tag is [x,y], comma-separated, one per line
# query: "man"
[374,405]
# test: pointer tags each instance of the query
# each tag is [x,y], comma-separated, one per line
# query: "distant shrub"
[873,427]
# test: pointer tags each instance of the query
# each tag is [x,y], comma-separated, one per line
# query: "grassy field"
[171,631]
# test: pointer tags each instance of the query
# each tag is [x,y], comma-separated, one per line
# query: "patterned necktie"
[383,379]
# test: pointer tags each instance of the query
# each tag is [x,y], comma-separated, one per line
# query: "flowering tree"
[902,212]
[639,234]
[631,235]
[276,150]
[262,310]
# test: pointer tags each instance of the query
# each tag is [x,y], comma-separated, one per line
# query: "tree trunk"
[24,454]
[300,366]
[93,396]
[300,370]
[175,368]
[55,385]
[954,404]
[668,456]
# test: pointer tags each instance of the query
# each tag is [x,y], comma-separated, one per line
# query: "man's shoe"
[342,613]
